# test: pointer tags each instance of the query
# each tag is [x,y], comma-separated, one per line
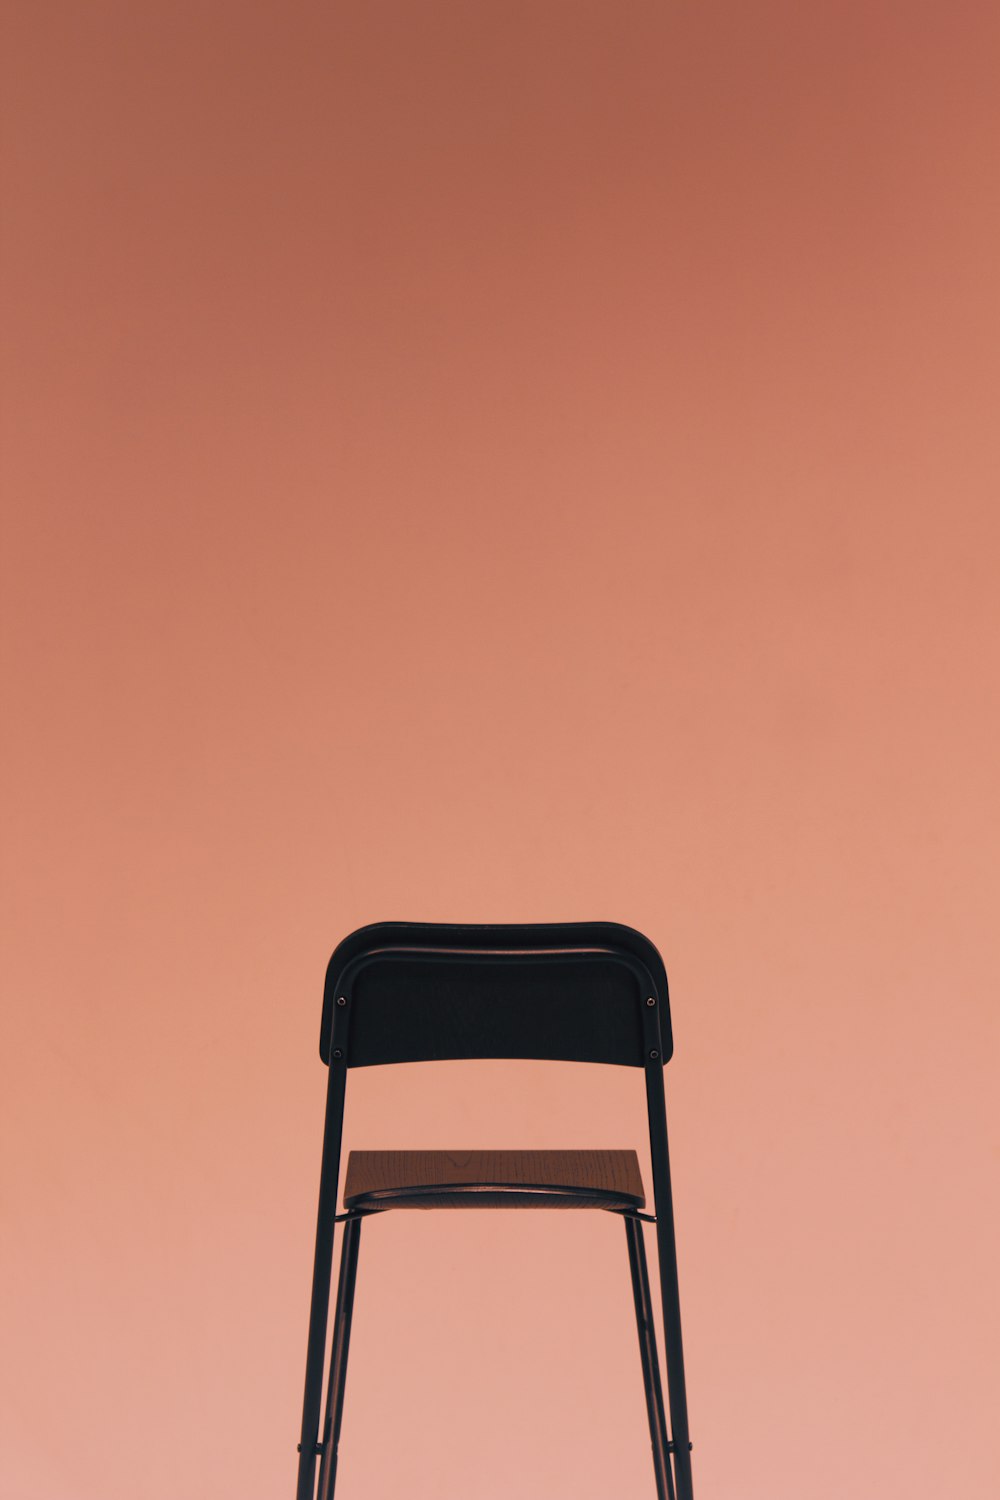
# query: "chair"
[415,992]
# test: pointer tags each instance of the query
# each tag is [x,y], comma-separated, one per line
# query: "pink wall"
[511,460]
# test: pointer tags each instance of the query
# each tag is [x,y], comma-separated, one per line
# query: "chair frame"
[386,942]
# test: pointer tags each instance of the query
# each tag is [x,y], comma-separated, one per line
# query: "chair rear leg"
[338,1358]
[650,1363]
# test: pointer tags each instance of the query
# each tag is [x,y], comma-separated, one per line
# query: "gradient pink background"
[514,462]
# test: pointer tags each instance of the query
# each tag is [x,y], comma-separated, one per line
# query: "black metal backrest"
[416,992]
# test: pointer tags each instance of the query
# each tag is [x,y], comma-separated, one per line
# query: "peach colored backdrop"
[501,460]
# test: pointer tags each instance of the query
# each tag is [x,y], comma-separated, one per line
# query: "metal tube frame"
[309,1445]
[650,1363]
[666,1246]
[338,1357]
[679,1447]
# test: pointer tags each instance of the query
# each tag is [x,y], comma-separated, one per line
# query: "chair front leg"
[319,1305]
[650,1363]
[338,1358]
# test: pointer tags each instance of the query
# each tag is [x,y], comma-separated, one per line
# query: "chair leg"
[322,1267]
[650,1362]
[338,1358]
[666,1249]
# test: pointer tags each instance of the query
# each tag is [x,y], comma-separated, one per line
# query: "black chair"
[415,992]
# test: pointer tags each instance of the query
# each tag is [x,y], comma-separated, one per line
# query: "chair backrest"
[575,992]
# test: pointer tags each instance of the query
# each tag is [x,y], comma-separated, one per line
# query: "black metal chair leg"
[650,1363]
[322,1268]
[666,1246]
[338,1358]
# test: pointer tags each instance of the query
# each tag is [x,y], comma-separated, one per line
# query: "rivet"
[337,1052]
[653,1053]
[650,1001]
[341,999]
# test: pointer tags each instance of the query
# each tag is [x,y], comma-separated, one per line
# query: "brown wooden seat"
[379,1180]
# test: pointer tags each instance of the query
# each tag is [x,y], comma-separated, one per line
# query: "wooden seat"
[379,1180]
